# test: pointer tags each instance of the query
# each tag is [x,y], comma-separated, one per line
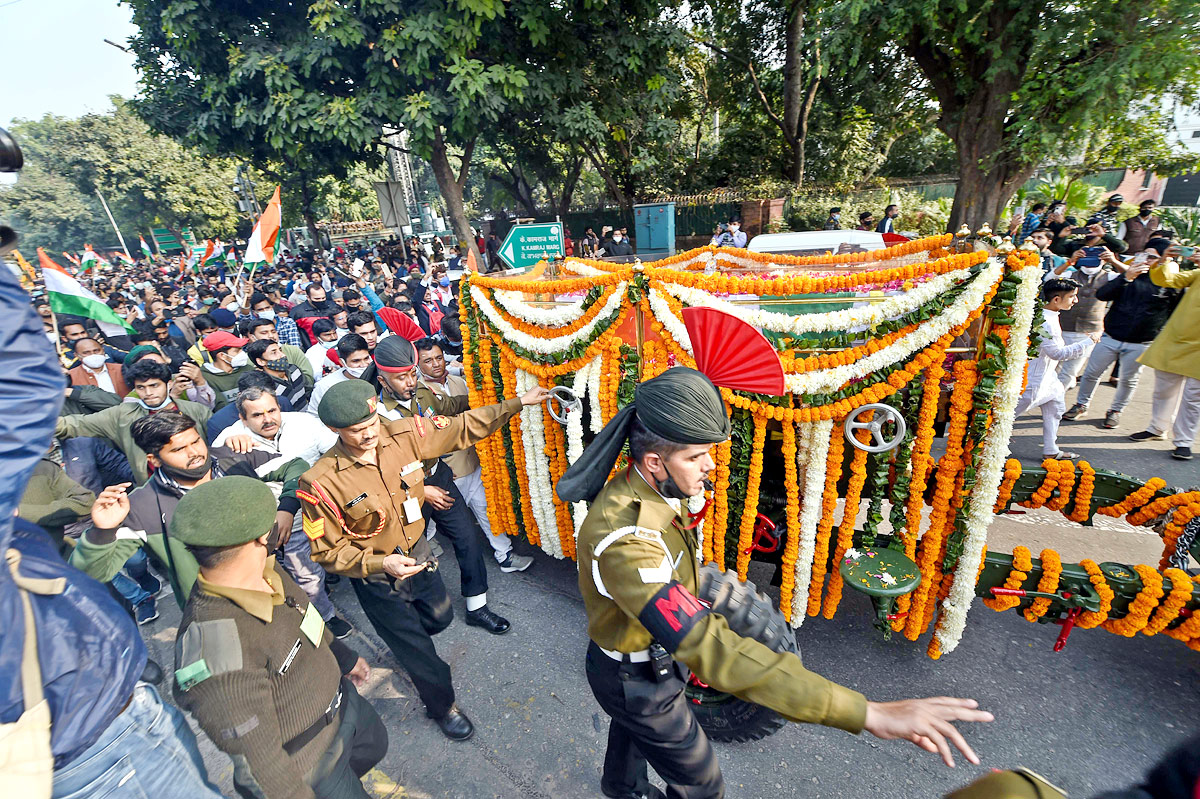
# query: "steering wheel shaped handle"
[883,415]
[567,402]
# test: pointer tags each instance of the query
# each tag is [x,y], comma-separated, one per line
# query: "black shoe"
[1145,435]
[145,611]
[455,725]
[1182,453]
[339,627]
[650,793]
[332,579]
[485,618]
[152,672]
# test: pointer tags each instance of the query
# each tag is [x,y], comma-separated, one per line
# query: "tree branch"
[762,96]
[465,166]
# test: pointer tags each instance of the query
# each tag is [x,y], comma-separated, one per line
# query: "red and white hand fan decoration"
[401,324]
[732,353]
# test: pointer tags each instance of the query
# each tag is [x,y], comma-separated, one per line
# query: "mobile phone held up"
[1091,257]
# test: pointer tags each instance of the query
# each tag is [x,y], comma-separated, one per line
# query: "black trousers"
[651,723]
[405,615]
[458,525]
[360,743]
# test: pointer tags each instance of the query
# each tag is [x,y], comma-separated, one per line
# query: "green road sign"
[525,245]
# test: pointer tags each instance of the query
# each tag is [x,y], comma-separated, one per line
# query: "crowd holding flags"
[67,295]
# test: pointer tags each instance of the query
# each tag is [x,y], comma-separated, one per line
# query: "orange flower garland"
[1174,529]
[1048,584]
[1066,481]
[564,286]
[830,360]
[1168,610]
[750,510]
[537,331]
[1189,631]
[845,537]
[1135,500]
[1012,473]
[1022,565]
[1091,619]
[1083,495]
[1161,505]
[1049,483]
[791,487]
[829,498]
[720,518]
[1138,615]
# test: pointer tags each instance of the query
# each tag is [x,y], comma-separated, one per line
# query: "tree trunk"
[982,193]
[793,88]
[568,189]
[451,188]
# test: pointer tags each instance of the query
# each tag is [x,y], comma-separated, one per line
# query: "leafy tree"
[47,210]
[1019,82]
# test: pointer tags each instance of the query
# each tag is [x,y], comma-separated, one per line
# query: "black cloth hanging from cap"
[680,405]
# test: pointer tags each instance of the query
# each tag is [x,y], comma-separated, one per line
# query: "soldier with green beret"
[265,679]
[638,566]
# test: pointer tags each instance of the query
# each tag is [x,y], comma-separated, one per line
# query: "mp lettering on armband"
[671,614]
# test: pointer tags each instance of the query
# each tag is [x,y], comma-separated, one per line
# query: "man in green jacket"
[151,382]
[122,522]
[52,500]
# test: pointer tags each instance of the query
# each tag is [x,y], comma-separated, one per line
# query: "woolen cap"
[224,512]
[348,403]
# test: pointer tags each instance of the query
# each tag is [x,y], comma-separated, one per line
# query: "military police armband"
[671,614]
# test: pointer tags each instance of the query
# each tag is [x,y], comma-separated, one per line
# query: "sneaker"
[1145,435]
[145,611]
[151,585]
[1182,453]
[515,563]
[1111,420]
[339,627]
[1075,412]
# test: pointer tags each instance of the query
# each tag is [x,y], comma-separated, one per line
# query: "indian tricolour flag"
[145,248]
[67,295]
[213,252]
[260,247]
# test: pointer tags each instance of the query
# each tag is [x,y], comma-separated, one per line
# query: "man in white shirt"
[318,354]
[352,349]
[288,436]
[468,476]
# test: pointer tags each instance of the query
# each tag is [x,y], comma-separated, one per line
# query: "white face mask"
[355,371]
[239,360]
[617,238]
[1089,270]
[267,314]
[328,344]
[94,361]
[734,228]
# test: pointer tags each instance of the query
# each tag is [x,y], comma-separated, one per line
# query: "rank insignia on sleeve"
[647,535]
[314,528]
[440,422]
[420,425]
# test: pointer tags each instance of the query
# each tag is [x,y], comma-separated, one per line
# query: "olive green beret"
[347,403]
[224,512]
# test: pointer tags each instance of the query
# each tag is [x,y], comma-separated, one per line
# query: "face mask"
[166,401]
[94,361]
[355,371]
[210,300]
[733,228]
[669,488]
[239,360]
[328,344]
[187,475]
[1145,212]
[278,364]
[617,239]
[1089,270]
[445,281]
[269,314]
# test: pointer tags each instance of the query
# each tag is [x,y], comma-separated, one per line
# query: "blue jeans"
[147,752]
[95,464]
[130,581]
[298,562]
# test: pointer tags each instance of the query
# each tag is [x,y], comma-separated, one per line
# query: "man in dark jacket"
[1092,234]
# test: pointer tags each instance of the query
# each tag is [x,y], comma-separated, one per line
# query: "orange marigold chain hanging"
[833,471]
[845,537]
[791,484]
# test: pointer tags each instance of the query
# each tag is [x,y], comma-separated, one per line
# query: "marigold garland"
[1090,619]
[750,509]
[1048,584]
[1138,615]
[1168,610]
[845,537]
[720,519]
[1049,483]
[1135,500]
[829,498]
[1066,482]
[1082,508]
[1174,529]
[791,486]
[1022,565]
[1161,505]
[1189,631]
[1012,473]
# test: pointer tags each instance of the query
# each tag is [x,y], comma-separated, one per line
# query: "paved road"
[1090,718]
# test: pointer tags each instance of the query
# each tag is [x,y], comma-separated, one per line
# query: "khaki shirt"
[425,404]
[644,548]
[354,511]
[465,461]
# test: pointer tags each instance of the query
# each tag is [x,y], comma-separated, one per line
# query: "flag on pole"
[88,262]
[145,248]
[193,258]
[67,295]
[120,256]
[231,261]
[260,247]
[71,258]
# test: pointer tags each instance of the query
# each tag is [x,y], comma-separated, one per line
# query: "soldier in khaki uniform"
[638,573]
[362,515]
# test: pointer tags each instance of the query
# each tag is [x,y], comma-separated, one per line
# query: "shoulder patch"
[206,649]
[314,528]
[647,535]
[307,497]
[671,614]
[419,424]
[440,422]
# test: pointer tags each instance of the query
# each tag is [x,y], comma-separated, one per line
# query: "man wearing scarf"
[638,573]
[122,522]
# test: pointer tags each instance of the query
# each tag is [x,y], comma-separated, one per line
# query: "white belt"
[641,656]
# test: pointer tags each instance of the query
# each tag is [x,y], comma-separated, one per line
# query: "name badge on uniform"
[412,510]
[410,468]
[312,625]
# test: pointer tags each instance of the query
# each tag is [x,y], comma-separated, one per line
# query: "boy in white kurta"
[1044,389]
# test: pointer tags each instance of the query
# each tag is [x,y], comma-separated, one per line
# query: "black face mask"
[1145,212]
[669,488]
[187,475]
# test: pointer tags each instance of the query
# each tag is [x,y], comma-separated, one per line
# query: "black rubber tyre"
[723,716]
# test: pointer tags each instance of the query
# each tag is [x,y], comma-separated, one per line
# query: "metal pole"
[114,225]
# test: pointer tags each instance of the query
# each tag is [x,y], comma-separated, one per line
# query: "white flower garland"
[558,316]
[817,435]
[991,465]
[580,268]
[853,318]
[543,346]
[593,386]
[574,435]
[695,505]
[674,326]
[537,468]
